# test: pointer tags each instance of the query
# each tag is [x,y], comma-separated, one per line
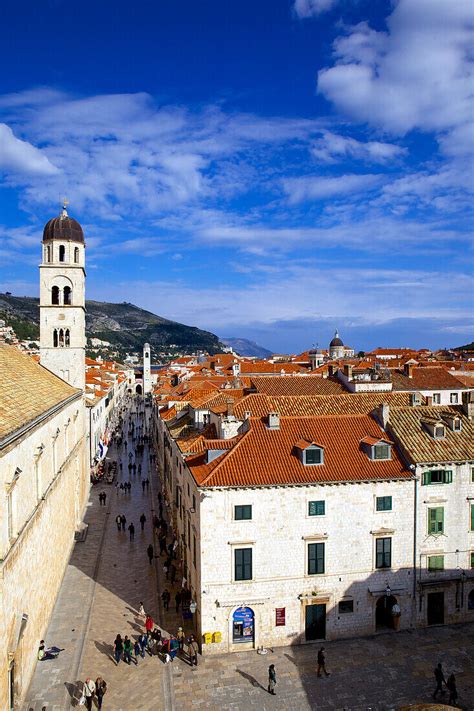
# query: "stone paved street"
[107,578]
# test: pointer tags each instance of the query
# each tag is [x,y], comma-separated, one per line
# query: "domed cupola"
[336,347]
[64,228]
[336,341]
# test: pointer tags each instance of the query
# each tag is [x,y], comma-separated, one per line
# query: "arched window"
[55,295]
[47,253]
[55,338]
[67,296]
[67,338]
[470,600]
[76,255]
[61,338]
[62,253]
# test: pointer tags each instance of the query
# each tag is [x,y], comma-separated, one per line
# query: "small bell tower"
[62,300]
[147,385]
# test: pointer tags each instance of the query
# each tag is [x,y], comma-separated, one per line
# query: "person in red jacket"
[149,623]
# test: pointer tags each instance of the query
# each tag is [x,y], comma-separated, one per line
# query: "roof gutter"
[38,420]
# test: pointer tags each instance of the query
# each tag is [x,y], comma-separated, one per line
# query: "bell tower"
[62,300]
[147,387]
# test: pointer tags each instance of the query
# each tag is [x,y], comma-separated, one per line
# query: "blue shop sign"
[243,625]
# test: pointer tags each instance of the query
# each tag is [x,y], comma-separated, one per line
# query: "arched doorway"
[383,612]
[138,389]
[243,625]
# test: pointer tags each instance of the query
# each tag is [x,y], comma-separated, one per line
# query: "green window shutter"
[426,478]
[316,508]
[472,517]
[315,558]
[448,477]
[436,520]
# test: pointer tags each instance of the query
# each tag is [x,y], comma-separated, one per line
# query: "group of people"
[93,689]
[450,684]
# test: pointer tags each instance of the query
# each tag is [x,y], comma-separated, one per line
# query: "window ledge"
[383,531]
[315,537]
[241,543]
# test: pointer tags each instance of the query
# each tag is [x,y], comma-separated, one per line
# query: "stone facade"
[62,310]
[45,487]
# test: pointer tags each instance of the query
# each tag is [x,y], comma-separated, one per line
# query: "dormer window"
[455,423]
[377,449]
[381,451]
[435,428]
[439,432]
[310,453]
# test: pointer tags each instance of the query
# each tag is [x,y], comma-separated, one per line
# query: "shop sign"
[280,616]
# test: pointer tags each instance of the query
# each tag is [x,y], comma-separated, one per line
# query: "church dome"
[63,228]
[336,341]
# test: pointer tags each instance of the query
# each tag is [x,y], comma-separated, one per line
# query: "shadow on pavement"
[251,679]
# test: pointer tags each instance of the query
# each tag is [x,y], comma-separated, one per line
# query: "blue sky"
[270,169]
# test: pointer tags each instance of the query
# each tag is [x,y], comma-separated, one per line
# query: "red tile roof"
[267,457]
[298,385]
[428,378]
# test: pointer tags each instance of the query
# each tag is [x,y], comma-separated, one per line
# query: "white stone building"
[44,483]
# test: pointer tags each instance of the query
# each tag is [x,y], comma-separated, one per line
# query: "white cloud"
[321,188]
[418,74]
[333,147]
[20,157]
[312,8]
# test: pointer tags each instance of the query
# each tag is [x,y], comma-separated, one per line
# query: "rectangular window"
[438,476]
[313,455]
[472,475]
[453,398]
[436,520]
[194,502]
[472,559]
[346,606]
[381,451]
[435,562]
[316,508]
[243,563]
[315,558]
[189,533]
[243,513]
[436,398]
[472,517]
[383,550]
[194,550]
[384,503]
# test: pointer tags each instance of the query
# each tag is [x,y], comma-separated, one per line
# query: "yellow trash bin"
[207,637]
[217,637]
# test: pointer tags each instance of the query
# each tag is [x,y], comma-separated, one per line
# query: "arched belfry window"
[62,253]
[61,338]
[76,255]
[47,253]
[55,338]
[67,296]
[55,295]
[67,338]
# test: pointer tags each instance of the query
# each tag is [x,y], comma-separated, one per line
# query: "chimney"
[347,370]
[383,413]
[332,370]
[468,404]
[273,420]
[408,370]
[230,407]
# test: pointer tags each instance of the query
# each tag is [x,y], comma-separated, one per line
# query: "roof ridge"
[225,455]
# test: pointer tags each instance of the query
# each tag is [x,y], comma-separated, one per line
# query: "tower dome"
[63,228]
[336,341]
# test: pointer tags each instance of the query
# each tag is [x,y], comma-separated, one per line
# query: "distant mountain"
[125,326]
[467,347]
[244,347]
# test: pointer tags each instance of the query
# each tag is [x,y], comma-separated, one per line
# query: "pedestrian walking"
[127,650]
[149,623]
[322,662]
[173,647]
[141,611]
[100,689]
[147,482]
[149,552]
[123,521]
[131,529]
[139,469]
[134,469]
[453,692]
[88,692]
[162,542]
[180,636]
[272,680]
[130,466]
[193,651]
[165,596]
[137,650]
[143,485]
[143,641]
[142,521]
[104,497]
[172,573]
[100,499]
[118,648]
[440,680]
[177,599]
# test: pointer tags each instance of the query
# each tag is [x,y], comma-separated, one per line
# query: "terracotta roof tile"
[27,390]
[298,385]
[429,378]
[264,457]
